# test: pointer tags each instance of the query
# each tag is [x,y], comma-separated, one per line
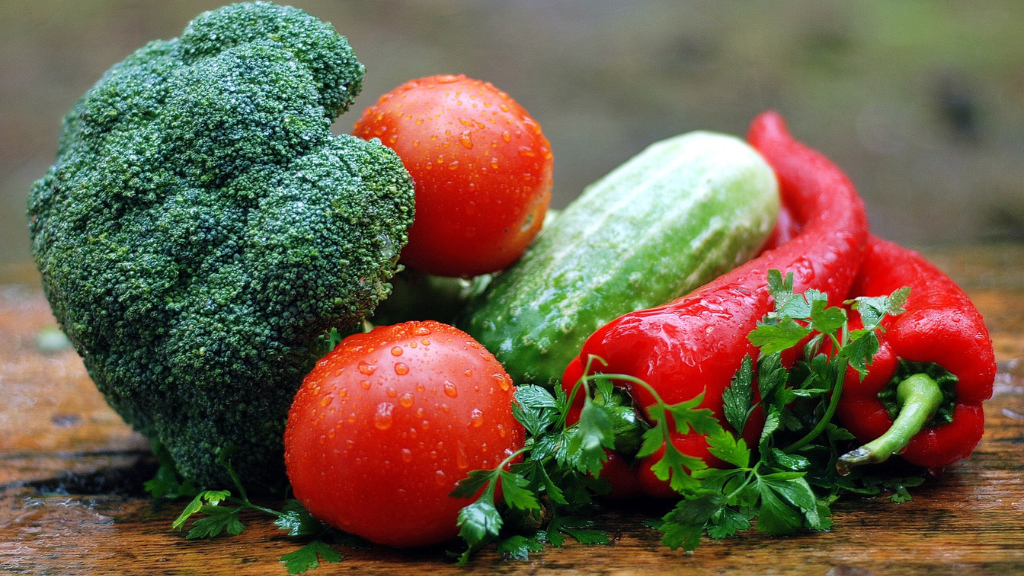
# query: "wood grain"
[71,475]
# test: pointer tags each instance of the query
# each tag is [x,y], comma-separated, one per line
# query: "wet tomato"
[385,426]
[481,166]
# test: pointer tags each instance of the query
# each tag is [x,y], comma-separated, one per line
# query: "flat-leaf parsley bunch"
[783,484]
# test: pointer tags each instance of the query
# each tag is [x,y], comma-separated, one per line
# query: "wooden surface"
[71,475]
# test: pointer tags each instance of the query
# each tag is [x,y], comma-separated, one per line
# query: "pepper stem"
[918,398]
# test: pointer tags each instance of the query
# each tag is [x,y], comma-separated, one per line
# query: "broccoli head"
[202,229]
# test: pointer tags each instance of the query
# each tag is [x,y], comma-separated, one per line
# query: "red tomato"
[481,166]
[385,425]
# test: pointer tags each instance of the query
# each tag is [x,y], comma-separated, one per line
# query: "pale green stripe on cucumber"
[670,219]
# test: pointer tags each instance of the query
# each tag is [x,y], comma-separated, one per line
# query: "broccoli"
[202,229]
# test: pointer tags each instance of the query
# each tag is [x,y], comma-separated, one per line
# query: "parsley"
[793,479]
[216,512]
[783,484]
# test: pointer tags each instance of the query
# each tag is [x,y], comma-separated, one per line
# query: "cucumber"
[670,219]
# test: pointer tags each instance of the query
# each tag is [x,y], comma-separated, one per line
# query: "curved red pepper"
[940,326]
[695,344]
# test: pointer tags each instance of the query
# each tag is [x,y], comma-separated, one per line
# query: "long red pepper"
[940,331]
[695,344]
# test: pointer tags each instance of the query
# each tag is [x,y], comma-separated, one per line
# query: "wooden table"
[71,475]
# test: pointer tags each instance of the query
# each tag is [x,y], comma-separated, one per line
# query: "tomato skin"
[482,170]
[384,426]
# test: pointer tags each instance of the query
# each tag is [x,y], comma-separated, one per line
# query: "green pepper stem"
[918,397]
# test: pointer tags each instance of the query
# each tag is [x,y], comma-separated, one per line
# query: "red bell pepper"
[939,341]
[696,344]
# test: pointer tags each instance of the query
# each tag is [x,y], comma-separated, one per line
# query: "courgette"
[678,214]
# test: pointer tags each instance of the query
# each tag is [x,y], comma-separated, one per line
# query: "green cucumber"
[670,219]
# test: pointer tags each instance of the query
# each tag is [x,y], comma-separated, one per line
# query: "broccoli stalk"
[202,229]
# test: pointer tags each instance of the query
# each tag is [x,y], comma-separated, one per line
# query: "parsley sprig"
[793,479]
[556,475]
[216,512]
[783,484]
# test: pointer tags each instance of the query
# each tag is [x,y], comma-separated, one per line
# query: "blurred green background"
[921,101]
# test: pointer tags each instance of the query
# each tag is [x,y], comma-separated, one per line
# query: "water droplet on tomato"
[502,380]
[441,478]
[466,139]
[504,107]
[527,152]
[382,418]
[453,165]
[396,351]
[366,368]
[391,392]
[450,389]
[406,400]
[506,135]
[476,418]
[365,384]
[501,431]
[326,400]
[406,455]
[468,373]
[461,460]
[401,369]
[445,408]
[425,342]
[421,331]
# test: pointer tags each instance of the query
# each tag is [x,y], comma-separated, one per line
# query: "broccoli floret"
[202,229]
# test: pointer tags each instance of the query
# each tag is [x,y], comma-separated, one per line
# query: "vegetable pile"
[712,323]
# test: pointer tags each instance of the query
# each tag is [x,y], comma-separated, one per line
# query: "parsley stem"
[750,473]
[826,418]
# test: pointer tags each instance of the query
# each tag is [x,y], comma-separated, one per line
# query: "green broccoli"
[202,229]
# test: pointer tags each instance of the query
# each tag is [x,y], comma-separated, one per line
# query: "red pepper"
[940,338]
[695,344]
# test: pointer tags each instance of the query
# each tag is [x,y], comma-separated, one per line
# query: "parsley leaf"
[738,398]
[519,547]
[309,556]
[479,522]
